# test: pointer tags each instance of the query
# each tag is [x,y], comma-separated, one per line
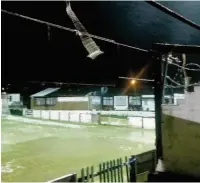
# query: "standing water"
[36,151]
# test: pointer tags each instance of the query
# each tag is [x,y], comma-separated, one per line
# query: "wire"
[178,73]
[193,64]
[173,14]
[63,83]
[137,79]
[168,77]
[180,85]
[73,30]
[184,67]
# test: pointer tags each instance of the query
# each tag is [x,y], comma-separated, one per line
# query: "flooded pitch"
[37,151]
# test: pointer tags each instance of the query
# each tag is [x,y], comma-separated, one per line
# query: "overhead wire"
[66,83]
[153,3]
[137,79]
[173,14]
[73,30]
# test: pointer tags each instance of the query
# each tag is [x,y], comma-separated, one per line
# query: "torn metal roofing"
[45,92]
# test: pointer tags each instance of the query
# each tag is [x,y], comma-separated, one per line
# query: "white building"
[13,97]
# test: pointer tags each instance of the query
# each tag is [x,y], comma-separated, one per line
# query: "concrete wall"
[129,113]
[63,116]
[181,134]
[142,122]
[136,119]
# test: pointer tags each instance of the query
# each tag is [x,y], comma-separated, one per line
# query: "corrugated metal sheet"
[44,92]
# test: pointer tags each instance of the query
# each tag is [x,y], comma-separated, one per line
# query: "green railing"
[110,171]
[133,169]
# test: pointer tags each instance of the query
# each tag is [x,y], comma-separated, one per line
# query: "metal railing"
[133,169]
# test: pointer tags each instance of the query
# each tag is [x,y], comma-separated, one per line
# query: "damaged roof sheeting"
[45,92]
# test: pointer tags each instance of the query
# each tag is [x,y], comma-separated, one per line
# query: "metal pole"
[158,91]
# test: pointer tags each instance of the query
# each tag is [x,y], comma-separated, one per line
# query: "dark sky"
[27,54]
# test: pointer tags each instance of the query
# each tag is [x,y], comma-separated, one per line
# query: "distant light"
[3,89]
[133,81]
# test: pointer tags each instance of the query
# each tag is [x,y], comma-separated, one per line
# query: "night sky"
[28,55]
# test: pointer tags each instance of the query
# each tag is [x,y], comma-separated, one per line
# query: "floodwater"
[35,150]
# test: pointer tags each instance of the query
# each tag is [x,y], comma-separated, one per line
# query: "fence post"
[133,172]
[80,117]
[49,115]
[59,116]
[142,122]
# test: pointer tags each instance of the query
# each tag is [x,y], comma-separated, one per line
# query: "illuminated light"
[133,81]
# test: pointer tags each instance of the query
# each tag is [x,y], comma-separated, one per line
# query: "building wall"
[148,104]
[95,102]
[181,137]
[62,105]
[121,102]
[13,97]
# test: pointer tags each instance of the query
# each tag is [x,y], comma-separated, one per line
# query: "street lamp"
[133,81]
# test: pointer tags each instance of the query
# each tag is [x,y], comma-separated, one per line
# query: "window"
[96,100]
[51,101]
[40,101]
[107,100]
[120,100]
[134,101]
[46,101]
